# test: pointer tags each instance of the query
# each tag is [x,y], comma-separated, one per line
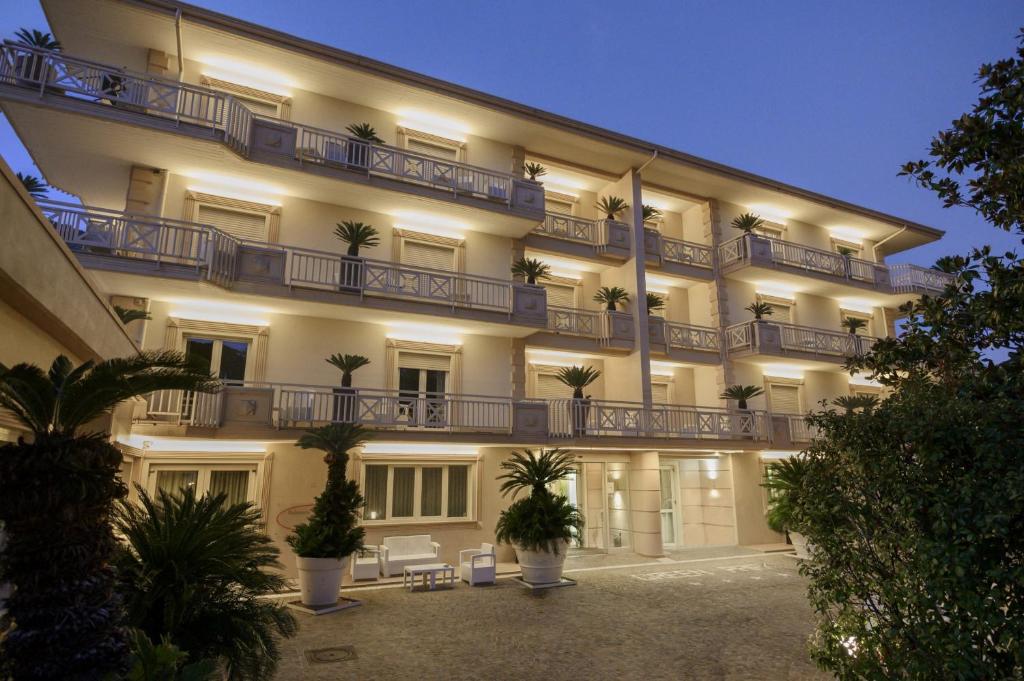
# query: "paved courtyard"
[702,614]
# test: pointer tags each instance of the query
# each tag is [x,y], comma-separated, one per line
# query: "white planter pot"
[800,544]
[320,579]
[541,567]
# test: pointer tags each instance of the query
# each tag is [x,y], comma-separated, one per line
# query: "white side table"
[428,572]
[365,564]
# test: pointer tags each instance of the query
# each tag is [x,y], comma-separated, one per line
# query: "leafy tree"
[57,492]
[193,571]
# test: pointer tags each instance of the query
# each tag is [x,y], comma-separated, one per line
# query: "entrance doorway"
[600,492]
[669,507]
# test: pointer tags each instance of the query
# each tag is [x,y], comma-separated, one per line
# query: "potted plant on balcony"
[760,310]
[323,544]
[654,303]
[853,325]
[747,222]
[30,69]
[530,269]
[741,393]
[359,154]
[650,213]
[611,206]
[35,186]
[578,378]
[784,482]
[541,525]
[611,296]
[345,400]
[357,235]
[534,170]
[852,402]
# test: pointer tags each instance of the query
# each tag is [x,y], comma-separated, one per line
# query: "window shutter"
[422,360]
[785,399]
[435,150]
[781,313]
[556,206]
[550,388]
[259,107]
[659,393]
[561,296]
[431,256]
[242,224]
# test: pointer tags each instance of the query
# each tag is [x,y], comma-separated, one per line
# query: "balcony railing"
[692,337]
[568,228]
[799,429]
[906,278]
[802,257]
[686,252]
[54,72]
[576,322]
[760,337]
[586,418]
[184,407]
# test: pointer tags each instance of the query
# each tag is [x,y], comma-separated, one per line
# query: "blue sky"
[830,96]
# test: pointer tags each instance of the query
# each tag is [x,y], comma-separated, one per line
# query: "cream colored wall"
[699,304]
[693,225]
[24,341]
[706,501]
[747,475]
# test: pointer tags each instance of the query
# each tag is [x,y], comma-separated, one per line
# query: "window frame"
[216,353]
[418,465]
[242,92]
[405,135]
[773,382]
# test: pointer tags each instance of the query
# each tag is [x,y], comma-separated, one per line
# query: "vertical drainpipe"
[177,38]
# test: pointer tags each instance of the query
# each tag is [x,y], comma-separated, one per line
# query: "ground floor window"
[421,491]
[237,482]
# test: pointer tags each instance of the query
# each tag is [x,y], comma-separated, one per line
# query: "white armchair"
[478,566]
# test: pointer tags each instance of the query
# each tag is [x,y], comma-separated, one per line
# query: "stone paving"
[699,614]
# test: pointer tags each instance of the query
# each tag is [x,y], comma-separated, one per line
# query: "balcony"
[186,107]
[908,278]
[798,342]
[582,237]
[114,240]
[693,342]
[676,256]
[791,431]
[571,328]
[276,406]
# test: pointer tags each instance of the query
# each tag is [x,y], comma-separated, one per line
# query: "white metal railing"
[577,322]
[906,278]
[569,228]
[585,418]
[184,407]
[799,429]
[739,336]
[692,337]
[803,257]
[686,252]
[324,147]
[746,336]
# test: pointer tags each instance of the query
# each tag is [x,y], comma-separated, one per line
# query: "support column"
[518,369]
[645,503]
[718,289]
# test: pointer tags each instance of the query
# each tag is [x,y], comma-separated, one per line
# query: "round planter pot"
[541,567]
[320,579]
[800,545]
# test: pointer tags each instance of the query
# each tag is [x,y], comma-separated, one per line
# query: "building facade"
[213,161]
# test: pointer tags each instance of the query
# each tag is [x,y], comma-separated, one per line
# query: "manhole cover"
[331,655]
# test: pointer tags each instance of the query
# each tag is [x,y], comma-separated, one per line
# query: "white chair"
[397,552]
[365,564]
[478,566]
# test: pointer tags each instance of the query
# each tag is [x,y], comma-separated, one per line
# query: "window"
[428,255]
[560,295]
[785,399]
[781,313]
[224,357]
[771,231]
[548,387]
[259,102]
[839,244]
[432,145]
[237,482]
[422,389]
[865,331]
[553,205]
[660,393]
[419,491]
[242,224]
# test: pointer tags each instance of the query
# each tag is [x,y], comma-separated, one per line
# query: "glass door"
[421,397]
[669,504]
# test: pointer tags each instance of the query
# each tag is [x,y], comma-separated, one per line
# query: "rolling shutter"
[560,295]
[431,256]
[242,224]
[556,206]
[550,388]
[435,150]
[785,399]
[781,313]
[423,360]
[659,393]
[258,107]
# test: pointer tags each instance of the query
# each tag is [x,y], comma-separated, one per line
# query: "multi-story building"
[213,160]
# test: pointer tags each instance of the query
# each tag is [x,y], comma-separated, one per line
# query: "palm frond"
[347,364]
[747,222]
[530,269]
[741,393]
[578,377]
[854,324]
[760,310]
[357,235]
[611,295]
[129,315]
[654,302]
[335,439]
[35,186]
[36,38]
[534,170]
[611,206]
[535,471]
[852,402]
[650,213]
[365,132]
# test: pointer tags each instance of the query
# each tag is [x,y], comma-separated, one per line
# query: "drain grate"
[331,655]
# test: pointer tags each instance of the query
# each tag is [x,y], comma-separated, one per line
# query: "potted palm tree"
[357,235]
[654,303]
[784,482]
[760,310]
[530,269]
[541,525]
[741,393]
[578,378]
[852,402]
[747,222]
[853,325]
[359,154]
[29,68]
[323,544]
[35,186]
[128,315]
[534,170]
[611,296]
[59,490]
[345,400]
[611,206]
[650,213]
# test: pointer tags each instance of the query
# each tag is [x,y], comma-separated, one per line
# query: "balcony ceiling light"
[248,74]
[225,312]
[857,305]
[850,234]
[770,212]
[171,444]
[775,290]
[858,379]
[234,187]
[425,333]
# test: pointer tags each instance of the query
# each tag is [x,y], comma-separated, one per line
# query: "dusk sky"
[828,96]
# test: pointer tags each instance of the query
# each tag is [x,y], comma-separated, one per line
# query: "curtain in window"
[430,495]
[376,490]
[233,483]
[458,487]
[403,492]
[173,482]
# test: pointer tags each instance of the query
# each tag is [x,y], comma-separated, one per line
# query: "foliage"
[854,324]
[531,269]
[534,170]
[760,310]
[976,162]
[193,570]
[164,662]
[35,186]
[333,529]
[784,481]
[650,212]
[36,38]
[845,251]
[365,132]
[747,222]
[347,364]
[129,315]
[654,302]
[853,402]
[58,492]
[537,522]
[611,296]
[741,393]
[578,378]
[357,235]
[611,206]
